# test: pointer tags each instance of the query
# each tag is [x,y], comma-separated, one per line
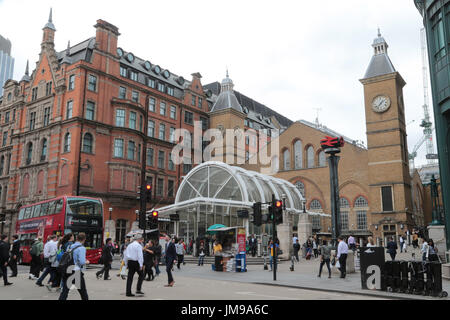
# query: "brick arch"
[348,200]
[305,157]
[309,181]
[362,196]
[352,182]
[316,199]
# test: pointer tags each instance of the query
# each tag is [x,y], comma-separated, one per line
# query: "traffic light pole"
[333,162]
[274,244]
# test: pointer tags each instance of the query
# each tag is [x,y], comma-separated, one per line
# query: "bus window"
[51,208]
[27,213]
[59,206]
[36,211]
[44,209]
[21,213]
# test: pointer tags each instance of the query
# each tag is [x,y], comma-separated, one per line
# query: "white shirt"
[342,248]
[134,253]
[294,240]
[50,248]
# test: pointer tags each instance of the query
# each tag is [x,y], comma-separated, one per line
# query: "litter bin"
[241,263]
[417,277]
[371,256]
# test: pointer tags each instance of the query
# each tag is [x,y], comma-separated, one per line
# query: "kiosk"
[233,257]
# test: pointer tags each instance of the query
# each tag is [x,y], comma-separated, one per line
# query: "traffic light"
[278,211]
[154,219]
[142,220]
[148,191]
[257,217]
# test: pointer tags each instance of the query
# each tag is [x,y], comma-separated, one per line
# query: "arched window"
[29,153]
[298,154]
[67,139]
[301,187]
[2,165]
[310,157]
[344,203]
[25,185]
[87,143]
[121,229]
[286,160]
[44,150]
[315,205]
[361,202]
[322,159]
[316,223]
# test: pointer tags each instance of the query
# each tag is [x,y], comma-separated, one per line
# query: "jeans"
[4,271]
[82,290]
[393,254]
[157,266]
[270,262]
[13,265]
[327,262]
[200,260]
[48,269]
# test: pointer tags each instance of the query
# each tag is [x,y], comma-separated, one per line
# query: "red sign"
[242,248]
[330,142]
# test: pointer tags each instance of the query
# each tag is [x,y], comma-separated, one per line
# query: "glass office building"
[6,62]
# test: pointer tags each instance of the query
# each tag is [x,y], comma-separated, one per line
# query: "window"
[2,165]
[46,116]
[315,205]
[48,88]
[310,157]
[29,153]
[204,123]
[44,150]
[34,92]
[131,148]
[135,96]
[122,93]
[186,168]
[316,225]
[200,102]
[161,87]
[386,197]
[133,75]
[160,187]
[4,138]
[90,110]
[92,83]
[172,135]
[121,230]
[170,91]
[152,105]
[162,131]
[69,109]
[194,101]
[361,219]
[188,117]
[287,160]
[150,157]
[171,164]
[343,203]
[151,128]
[7,117]
[151,83]
[322,159]
[71,82]
[87,143]
[118,148]
[173,112]
[123,71]
[120,118]
[361,202]
[132,120]
[438,37]
[170,188]
[138,158]
[162,108]
[344,220]
[301,187]
[161,156]
[298,154]
[32,120]
[67,140]
[141,122]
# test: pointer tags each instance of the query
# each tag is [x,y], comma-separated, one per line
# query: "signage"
[242,248]
[242,213]
[31,225]
[83,222]
[174,217]
[432,156]
[330,142]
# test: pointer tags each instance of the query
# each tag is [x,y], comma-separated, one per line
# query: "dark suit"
[171,256]
[4,257]
[253,244]
[15,251]
[107,258]
[392,249]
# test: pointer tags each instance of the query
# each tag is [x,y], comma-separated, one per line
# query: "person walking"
[15,252]
[432,251]
[201,255]
[415,241]
[405,245]
[50,251]
[253,245]
[272,248]
[392,248]
[325,256]
[401,243]
[149,260]
[296,249]
[351,243]
[80,262]
[315,249]
[123,247]
[107,259]
[158,253]
[424,250]
[63,245]
[134,260]
[171,258]
[370,242]
[4,257]
[342,256]
[36,251]
[179,247]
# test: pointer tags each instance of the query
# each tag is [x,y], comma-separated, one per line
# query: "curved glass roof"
[218,182]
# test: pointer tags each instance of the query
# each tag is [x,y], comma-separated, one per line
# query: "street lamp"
[304,206]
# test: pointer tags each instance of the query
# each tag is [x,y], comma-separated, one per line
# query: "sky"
[301,58]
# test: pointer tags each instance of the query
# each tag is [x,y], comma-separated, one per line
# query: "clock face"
[381,104]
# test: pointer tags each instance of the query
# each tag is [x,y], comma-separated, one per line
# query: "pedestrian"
[15,252]
[158,253]
[415,241]
[370,242]
[149,260]
[424,250]
[342,256]
[80,262]
[37,248]
[4,257]
[315,249]
[405,245]
[63,245]
[123,247]
[180,253]
[106,259]
[432,251]
[272,251]
[253,244]
[351,243]
[392,248]
[171,257]
[134,259]
[50,251]
[201,255]
[325,256]
[401,243]
[296,249]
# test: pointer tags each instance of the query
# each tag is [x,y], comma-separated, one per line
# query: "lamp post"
[109,222]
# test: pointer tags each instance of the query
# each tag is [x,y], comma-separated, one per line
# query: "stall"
[232,257]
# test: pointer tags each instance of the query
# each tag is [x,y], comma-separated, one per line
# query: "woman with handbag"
[149,260]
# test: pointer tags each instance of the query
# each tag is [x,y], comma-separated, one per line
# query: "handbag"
[333,262]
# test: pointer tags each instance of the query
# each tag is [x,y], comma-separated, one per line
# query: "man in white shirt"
[342,256]
[50,250]
[133,257]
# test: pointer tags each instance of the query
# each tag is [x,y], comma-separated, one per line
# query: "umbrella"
[211,230]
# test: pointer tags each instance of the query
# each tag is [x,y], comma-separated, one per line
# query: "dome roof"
[227,99]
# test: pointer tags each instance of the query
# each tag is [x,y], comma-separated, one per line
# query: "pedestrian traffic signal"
[278,211]
[257,217]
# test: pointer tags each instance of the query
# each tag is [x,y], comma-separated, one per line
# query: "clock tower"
[388,163]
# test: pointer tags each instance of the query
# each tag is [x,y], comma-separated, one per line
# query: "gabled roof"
[77,52]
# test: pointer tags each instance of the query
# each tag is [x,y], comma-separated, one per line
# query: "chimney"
[106,37]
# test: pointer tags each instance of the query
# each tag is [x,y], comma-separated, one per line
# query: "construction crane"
[426,123]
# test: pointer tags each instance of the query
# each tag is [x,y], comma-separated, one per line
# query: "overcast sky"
[292,55]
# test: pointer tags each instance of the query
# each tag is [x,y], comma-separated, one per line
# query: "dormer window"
[133,75]
[123,71]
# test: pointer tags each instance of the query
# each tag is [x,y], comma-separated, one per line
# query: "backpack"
[34,249]
[66,260]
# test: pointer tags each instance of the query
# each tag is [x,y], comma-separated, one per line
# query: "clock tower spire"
[388,164]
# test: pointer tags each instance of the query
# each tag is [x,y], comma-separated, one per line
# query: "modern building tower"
[6,62]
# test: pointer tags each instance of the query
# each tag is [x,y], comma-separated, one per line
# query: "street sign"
[432,156]
[242,213]
[174,217]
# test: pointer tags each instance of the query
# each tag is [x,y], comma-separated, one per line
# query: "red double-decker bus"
[60,216]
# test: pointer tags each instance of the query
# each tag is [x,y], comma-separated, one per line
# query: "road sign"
[432,156]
